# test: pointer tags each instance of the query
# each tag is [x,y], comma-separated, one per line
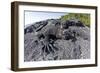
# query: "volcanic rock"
[54,39]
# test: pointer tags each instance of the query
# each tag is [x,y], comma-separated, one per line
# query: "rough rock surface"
[53,39]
